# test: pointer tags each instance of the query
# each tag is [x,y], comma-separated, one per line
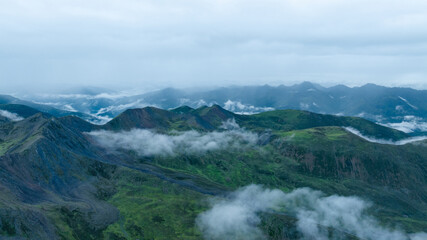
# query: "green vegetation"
[5,145]
[288,120]
[71,185]
[153,209]
[324,158]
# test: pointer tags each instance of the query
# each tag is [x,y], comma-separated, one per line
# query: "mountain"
[401,108]
[61,178]
[210,118]
[86,90]
[19,107]
[404,109]
[58,181]
[182,118]
[49,170]
[20,110]
[334,100]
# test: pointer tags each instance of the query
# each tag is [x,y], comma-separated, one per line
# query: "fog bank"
[238,216]
[150,143]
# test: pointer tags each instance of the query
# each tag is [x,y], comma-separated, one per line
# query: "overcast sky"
[147,44]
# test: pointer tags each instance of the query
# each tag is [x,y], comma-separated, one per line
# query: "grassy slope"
[287,120]
[153,209]
[297,156]
[378,179]
[274,166]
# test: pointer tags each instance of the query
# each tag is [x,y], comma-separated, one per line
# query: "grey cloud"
[237,217]
[10,115]
[383,141]
[226,42]
[149,143]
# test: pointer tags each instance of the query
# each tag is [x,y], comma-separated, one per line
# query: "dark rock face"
[51,163]
[26,223]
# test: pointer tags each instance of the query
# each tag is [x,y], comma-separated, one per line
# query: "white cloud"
[237,217]
[102,116]
[407,102]
[409,124]
[68,107]
[304,106]
[10,115]
[240,108]
[121,107]
[384,141]
[149,143]
[99,119]
[114,102]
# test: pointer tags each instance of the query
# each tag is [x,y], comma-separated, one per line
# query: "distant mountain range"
[401,108]
[7,103]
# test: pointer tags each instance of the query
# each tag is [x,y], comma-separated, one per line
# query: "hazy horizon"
[111,92]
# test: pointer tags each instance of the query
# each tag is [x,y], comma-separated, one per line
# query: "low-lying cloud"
[104,115]
[238,216]
[383,141]
[150,143]
[409,124]
[240,108]
[9,115]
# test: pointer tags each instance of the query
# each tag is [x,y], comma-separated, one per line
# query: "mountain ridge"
[76,188]
[391,106]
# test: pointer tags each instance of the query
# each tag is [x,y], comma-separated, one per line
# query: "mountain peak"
[182,109]
[77,123]
[87,90]
[214,114]
[306,85]
[371,86]
[147,117]
[215,108]
[39,116]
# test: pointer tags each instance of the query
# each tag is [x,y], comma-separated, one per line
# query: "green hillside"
[58,182]
[287,120]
